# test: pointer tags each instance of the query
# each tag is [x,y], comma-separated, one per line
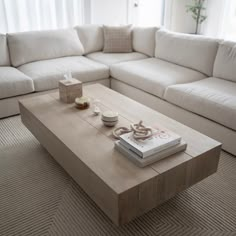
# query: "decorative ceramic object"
[82,103]
[110,118]
[69,89]
[140,132]
[96,108]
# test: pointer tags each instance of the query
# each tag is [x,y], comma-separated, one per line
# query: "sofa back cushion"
[144,40]
[4,54]
[42,45]
[225,63]
[192,51]
[91,36]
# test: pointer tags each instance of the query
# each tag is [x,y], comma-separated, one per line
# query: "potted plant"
[197,8]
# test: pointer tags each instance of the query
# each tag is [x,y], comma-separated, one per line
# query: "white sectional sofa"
[187,77]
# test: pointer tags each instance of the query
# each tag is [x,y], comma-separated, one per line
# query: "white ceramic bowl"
[109,118]
[110,123]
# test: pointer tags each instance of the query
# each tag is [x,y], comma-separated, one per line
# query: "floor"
[37,197]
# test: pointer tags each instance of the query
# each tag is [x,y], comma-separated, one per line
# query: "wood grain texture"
[85,149]
[69,90]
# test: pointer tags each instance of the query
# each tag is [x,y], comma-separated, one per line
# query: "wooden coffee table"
[80,143]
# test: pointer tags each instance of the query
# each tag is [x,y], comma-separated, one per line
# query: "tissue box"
[70,89]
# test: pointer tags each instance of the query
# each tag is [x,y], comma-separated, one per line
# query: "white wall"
[111,12]
[179,20]
[148,12]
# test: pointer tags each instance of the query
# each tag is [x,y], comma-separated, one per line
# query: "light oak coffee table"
[80,143]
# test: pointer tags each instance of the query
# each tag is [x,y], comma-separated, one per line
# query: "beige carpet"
[37,197]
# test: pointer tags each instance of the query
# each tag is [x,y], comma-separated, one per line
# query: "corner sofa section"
[92,39]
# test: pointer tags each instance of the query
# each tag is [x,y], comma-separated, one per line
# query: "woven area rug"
[37,197]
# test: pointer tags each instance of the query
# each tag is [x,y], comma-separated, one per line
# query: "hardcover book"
[142,162]
[161,139]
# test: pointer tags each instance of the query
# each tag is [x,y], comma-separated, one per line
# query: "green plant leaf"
[196,9]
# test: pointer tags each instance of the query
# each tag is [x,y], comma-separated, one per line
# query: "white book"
[142,162]
[161,140]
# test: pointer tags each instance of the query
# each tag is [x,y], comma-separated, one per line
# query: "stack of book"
[162,144]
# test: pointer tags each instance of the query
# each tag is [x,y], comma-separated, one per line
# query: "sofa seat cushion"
[153,75]
[212,98]
[47,73]
[14,83]
[113,58]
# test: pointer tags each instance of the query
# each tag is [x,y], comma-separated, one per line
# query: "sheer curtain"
[25,15]
[221,19]
[167,13]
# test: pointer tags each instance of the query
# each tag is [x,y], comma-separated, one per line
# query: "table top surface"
[93,143]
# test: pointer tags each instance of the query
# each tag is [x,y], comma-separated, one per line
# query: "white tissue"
[68,75]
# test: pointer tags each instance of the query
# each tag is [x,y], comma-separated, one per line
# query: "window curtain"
[221,19]
[26,15]
[167,13]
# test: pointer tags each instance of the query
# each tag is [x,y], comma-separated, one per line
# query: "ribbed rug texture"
[37,197]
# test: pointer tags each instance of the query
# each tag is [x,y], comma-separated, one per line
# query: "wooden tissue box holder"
[70,89]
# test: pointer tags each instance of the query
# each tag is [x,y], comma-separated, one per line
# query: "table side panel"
[103,196]
[204,165]
[173,176]
[138,200]
[175,179]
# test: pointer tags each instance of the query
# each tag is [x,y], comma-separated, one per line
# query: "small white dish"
[96,110]
[109,118]
[110,123]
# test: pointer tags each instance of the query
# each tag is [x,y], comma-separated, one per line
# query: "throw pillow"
[117,39]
